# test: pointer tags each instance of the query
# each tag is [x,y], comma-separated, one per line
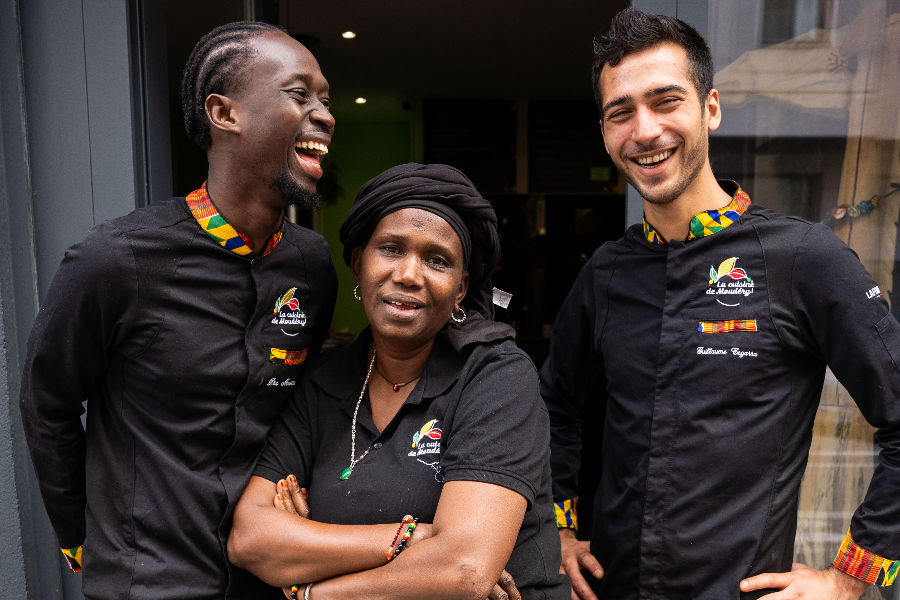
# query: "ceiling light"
[360,100]
[348,35]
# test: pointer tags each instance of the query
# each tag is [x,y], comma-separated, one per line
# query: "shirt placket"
[654,560]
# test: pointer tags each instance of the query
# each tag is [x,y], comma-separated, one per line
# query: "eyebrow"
[433,246]
[305,78]
[647,95]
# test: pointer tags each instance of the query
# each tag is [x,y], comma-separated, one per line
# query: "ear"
[461,293]
[222,113]
[713,110]
[356,262]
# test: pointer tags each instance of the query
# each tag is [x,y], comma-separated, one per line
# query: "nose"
[409,272]
[322,117]
[646,127]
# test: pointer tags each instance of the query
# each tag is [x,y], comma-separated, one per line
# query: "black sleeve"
[88,310]
[569,376]
[841,310]
[289,447]
[500,408]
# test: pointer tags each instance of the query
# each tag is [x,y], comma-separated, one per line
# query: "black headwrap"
[446,192]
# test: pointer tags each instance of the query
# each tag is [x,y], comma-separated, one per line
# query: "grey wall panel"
[696,14]
[30,560]
[107,72]
[657,7]
[58,127]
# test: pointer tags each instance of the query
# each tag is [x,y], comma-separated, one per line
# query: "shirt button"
[377,445]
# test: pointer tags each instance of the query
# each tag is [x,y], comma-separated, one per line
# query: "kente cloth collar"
[710,221]
[218,228]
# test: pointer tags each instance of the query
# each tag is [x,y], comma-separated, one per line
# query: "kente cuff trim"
[726,326]
[218,228]
[287,357]
[73,556]
[566,514]
[862,564]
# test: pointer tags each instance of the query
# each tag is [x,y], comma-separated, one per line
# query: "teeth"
[315,147]
[649,160]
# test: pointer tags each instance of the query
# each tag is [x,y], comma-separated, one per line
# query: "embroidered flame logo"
[727,268]
[287,300]
[428,431]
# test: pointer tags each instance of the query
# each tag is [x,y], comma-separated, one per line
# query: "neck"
[400,364]
[673,220]
[248,204]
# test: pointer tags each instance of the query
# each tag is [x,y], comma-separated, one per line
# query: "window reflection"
[811,103]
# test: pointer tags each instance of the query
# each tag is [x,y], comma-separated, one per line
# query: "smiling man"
[185,325]
[706,330]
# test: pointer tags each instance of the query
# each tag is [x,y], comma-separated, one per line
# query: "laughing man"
[185,325]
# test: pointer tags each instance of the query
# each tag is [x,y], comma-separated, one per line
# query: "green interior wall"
[360,151]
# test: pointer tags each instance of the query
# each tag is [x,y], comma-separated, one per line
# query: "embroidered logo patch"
[427,439]
[288,311]
[875,292]
[729,281]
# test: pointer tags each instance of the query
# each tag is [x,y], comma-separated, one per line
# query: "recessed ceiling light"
[360,100]
[348,35]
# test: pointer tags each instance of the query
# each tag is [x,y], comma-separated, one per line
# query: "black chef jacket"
[713,352]
[173,340]
[465,420]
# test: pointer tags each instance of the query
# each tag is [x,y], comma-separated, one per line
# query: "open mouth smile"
[654,160]
[402,307]
[309,156]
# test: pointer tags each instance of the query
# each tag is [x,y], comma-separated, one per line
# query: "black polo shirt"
[477,417]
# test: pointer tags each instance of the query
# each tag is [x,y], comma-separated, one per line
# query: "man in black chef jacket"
[185,325]
[710,325]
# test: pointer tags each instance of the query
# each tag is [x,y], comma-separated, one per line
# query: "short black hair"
[212,68]
[633,31]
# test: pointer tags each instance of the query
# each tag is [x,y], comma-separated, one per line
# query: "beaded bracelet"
[390,551]
[403,541]
[296,588]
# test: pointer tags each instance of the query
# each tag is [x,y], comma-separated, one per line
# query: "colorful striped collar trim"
[218,228]
[710,221]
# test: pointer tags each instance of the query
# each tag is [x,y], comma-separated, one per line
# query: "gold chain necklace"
[353,460]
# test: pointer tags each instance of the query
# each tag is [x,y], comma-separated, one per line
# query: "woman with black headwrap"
[427,436]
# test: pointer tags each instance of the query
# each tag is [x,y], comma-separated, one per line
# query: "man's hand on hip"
[575,557]
[804,582]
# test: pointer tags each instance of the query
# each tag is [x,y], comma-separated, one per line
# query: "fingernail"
[279,497]
[292,478]
[303,491]
[745,584]
[283,483]
[598,573]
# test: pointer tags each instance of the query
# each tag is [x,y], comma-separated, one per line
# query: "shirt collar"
[710,221]
[218,228]
[343,376]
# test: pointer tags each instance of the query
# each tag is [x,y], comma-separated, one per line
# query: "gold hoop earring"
[356,292]
[464,317]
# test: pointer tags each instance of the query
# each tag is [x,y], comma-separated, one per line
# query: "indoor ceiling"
[467,50]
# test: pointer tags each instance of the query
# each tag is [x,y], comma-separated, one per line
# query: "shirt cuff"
[864,565]
[73,555]
[566,514]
